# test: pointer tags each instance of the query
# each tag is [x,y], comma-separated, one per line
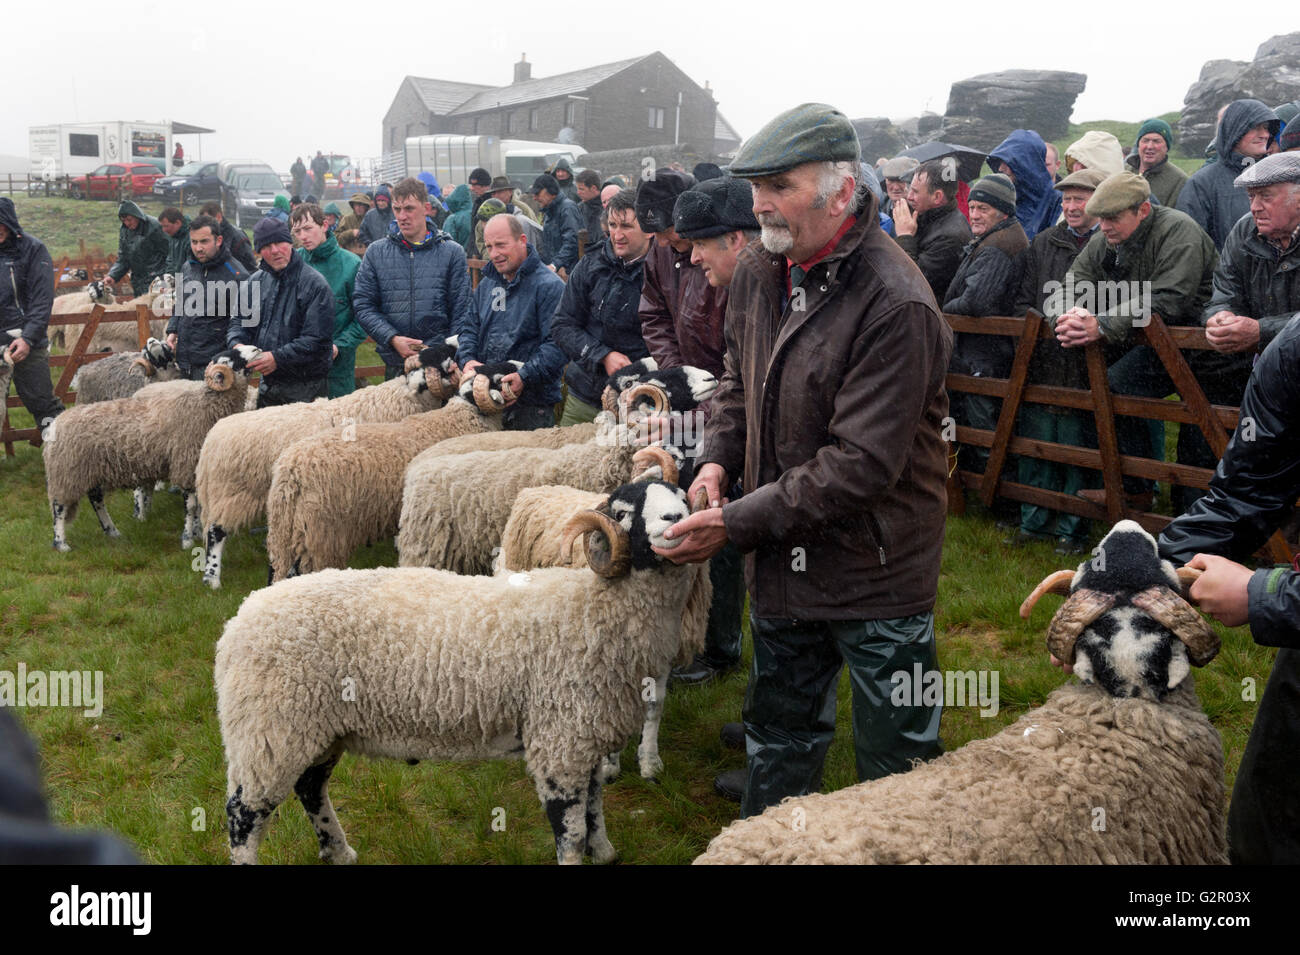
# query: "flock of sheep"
[548,535]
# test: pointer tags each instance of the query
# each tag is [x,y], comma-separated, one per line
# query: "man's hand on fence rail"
[1077,327]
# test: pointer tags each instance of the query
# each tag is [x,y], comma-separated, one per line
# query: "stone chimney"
[523,69]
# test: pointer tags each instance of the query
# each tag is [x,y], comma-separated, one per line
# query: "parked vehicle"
[195,181]
[452,158]
[248,190]
[74,149]
[115,181]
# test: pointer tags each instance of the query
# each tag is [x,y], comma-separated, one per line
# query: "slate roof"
[723,129]
[442,96]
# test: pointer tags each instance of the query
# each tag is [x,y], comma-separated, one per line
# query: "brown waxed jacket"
[681,313]
[835,414]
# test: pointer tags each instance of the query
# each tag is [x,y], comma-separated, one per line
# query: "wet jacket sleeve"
[568,327]
[1274,595]
[657,326]
[457,291]
[1255,486]
[724,431]
[570,223]
[316,302]
[991,270]
[467,331]
[938,257]
[39,294]
[153,253]
[120,266]
[1198,202]
[877,412]
[352,334]
[548,360]
[1230,291]
[367,302]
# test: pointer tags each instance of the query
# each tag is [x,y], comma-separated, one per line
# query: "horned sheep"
[337,491]
[549,668]
[153,435]
[234,472]
[1129,747]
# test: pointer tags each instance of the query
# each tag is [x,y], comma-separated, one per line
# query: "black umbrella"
[969,161]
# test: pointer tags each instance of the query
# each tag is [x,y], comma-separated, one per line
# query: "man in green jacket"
[141,249]
[1147,260]
[176,226]
[1150,157]
[321,251]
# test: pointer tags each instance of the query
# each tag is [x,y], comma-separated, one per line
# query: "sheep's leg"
[193,529]
[610,768]
[312,788]
[566,809]
[216,541]
[647,754]
[598,844]
[246,827]
[59,511]
[143,496]
[96,495]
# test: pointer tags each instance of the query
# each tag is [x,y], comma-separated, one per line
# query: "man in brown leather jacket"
[831,406]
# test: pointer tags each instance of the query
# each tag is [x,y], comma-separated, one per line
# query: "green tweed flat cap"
[1116,193]
[813,132]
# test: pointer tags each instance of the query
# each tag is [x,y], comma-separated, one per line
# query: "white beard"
[777,239]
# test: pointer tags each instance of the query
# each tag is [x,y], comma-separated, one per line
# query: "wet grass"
[151,767]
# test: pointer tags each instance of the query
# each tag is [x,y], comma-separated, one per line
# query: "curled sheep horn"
[1057,583]
[483,396]
[1177,616]
[412,363]
[647,458]
[609,400]
[1072,618]
[146,366]
[219,377]
[658,398]
[444,388]
[614,557]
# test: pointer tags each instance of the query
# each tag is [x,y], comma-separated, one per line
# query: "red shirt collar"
[826,249]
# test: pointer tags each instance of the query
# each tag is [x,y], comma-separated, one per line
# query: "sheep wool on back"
[1034,793]
[339,490]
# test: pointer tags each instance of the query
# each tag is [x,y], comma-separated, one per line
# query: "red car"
[116,181]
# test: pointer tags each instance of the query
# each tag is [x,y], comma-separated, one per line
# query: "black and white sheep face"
[629,375]
[156,353]
[98,294]
[646,510]
[1125,651]
[437,361]
[494,372]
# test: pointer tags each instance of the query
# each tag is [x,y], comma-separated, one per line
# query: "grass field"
[151,767]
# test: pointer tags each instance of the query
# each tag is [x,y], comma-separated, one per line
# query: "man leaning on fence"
[210,293]
[832,406]
[26,296]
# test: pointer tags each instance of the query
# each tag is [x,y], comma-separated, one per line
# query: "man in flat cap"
[1148,260]
[681,320]
[1257,283]
[831,412]
[1046,261]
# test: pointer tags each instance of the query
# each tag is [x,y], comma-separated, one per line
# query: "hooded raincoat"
[1038,204]
[339,267]
[142,251]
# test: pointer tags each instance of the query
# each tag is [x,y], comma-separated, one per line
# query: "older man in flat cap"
[830,412]
[1148,260]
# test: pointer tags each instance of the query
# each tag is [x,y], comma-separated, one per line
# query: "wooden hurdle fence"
[1193,410]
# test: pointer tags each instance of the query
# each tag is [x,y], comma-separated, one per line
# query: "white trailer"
[74,149]
[452,158]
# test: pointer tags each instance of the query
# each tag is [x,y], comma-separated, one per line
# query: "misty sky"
[276,82]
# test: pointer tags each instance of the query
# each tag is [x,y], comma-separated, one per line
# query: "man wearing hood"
[1150,157]
[459,225]
[1095,149]
[26,296]
[208,296]
[279,210]
[141,249]
[1022,156]
[320,250]
[176,226]
[563,173]
[436,209]
[295,316]
[413,285]
[513,306]
[378,220]
[234,239]
[360,205]
[1243,137]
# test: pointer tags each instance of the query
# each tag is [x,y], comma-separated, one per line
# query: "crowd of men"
[814,288]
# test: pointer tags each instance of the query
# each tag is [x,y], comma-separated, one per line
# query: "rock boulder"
[984,109]
[1272,77]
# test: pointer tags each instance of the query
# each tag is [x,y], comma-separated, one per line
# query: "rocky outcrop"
[984,109]
[1272,77]
[878,137]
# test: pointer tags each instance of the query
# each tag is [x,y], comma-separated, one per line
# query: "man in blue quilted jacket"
[413,286]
